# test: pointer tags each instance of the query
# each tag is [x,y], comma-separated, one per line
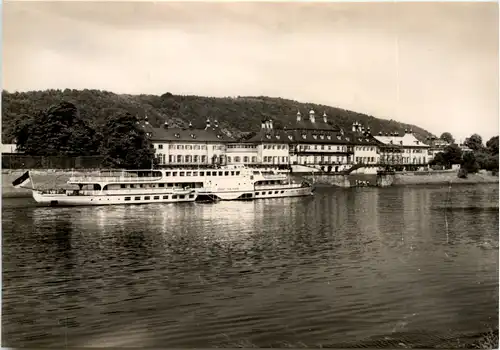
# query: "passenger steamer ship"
[171,186]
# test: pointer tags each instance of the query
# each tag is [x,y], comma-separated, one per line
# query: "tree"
[124,143]
[446,136]
[453,154]
[492,145]
[57,131]
[475,142]
[469,163]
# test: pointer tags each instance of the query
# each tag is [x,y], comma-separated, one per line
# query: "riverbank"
[58,178]
[436,178]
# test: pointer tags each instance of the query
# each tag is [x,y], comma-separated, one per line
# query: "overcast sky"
[431,64]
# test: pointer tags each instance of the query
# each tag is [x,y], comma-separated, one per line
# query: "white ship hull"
[281,192]
[57,199]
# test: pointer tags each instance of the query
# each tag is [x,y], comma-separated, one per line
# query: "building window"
[188,159]
[229,159]
[254,159]
[179,159]
[245,159]
[171,158]
[236,159]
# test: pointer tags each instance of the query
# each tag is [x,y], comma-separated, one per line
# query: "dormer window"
[303,136]
[328,137]
[322,137]
[268,136]
[347,139]
[278,137]
[218,136]
[401,142]
[338,137]
[177,135]
[417,142]
[315,137]
[289,137]
[193,136]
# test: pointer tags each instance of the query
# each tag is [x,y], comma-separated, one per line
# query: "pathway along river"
[362,267]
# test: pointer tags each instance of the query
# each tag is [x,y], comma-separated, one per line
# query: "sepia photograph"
[223,174]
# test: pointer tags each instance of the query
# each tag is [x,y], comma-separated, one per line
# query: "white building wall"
[366,154]
[274,153]
[188,153]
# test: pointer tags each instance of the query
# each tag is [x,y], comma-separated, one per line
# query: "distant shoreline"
[58,178]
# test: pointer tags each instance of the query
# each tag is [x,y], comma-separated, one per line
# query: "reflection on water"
[347,265]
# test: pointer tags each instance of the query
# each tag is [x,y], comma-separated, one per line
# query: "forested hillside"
[236,116]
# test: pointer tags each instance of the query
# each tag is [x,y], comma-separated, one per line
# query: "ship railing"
[113,179]
[274,177]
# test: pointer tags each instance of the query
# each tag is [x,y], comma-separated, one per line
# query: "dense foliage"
[446,136]
[480,157]
[124,144]
[237,116]
[60,131]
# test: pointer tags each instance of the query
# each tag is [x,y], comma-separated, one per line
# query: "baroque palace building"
[305,143]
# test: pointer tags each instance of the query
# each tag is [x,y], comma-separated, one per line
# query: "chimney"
[299,116]
[146,120]
[190,125]
[380,133]
[369,131]
[354,126]
[208,124]
[312,117]
[263,124]
[270,124]
[324,117]
[406,131]
[165,125]
[216,123]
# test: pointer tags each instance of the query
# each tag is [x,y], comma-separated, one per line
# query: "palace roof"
[210,133]
[407,140]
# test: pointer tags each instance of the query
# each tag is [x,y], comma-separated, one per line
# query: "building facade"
[403,150]
[189,146]
[309,142]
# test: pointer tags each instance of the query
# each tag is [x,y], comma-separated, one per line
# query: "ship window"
[275,192]
[214,173]
[282,191]
[137,198]
[174,173]
[226,173]
[156,197]
[188,173]
[220,173]
[165,197]
[256,193]
[127,198]
[191,196]
[232,173]
[195,173]
[181,173]
[181,196]
[170,185]
[141,185]
[161,185]
[147,198]
[167,173]
[174,196]
[132,186]
[202,173]
[237,173]
[122,186]
[270,192]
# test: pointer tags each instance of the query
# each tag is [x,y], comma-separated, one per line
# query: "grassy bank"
[442,178]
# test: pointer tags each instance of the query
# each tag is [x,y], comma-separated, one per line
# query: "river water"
[348,267]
